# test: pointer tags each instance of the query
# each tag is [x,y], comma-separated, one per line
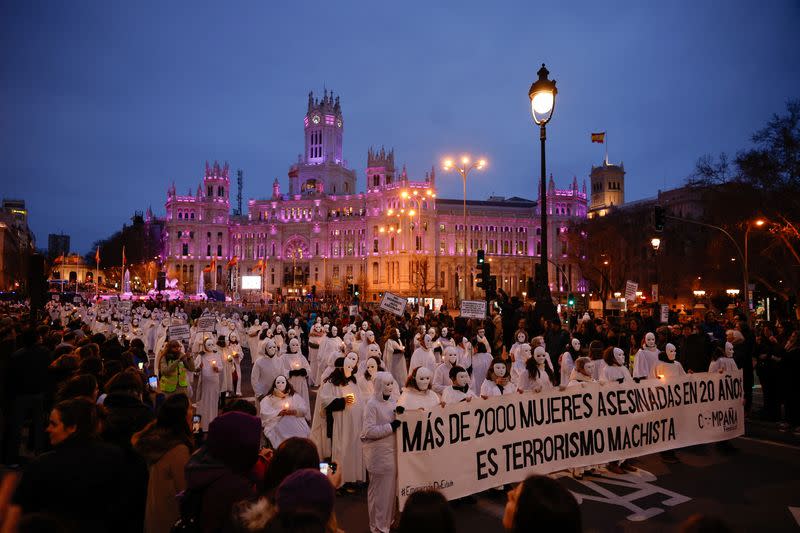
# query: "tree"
[421,277]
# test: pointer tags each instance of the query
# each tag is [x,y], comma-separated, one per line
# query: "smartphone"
[141,366]
[153,382]
[323,467]
[196,424]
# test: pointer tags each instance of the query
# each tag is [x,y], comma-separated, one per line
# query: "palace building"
[394,234]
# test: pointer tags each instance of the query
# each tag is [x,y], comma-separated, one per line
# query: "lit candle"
[286,405]
[661,376]
[297,365]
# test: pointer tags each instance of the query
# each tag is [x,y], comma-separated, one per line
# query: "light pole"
[655,242]
[759,223]
[464,170]
[542,95]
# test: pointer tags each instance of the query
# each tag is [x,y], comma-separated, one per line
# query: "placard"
[179,333]
[469,447]
[352,310]
[393,303]
[664,313]
[206,323]
[630,290]
[76,300]
[125,306]
[473,309]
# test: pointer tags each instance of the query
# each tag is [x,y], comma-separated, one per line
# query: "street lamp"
[465,167]
[759,223]
[655,242]
[543,101]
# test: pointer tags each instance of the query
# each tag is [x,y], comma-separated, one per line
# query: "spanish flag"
[233,262]
[212,266]
[260,265]
[97,256]
[599,137]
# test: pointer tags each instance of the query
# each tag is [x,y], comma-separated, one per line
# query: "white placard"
[464,448]
[473,309]
[630,290]
[76,299]
[179,333]
[251,283]
[206,323]
[125,306]
[393,303]
[664,313]
[352,310]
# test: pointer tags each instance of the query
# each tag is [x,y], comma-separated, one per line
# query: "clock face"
[339,123]
[315,119]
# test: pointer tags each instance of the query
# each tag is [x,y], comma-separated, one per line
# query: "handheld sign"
[630,290]
[76,300]
[353,310]
[125,306]
[178,333]
[393,303]
[473,309]
[664,313]
[206,323]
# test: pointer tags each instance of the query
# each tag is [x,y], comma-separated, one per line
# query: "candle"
[296,365]
[286,405]
[230,358]
[661,376]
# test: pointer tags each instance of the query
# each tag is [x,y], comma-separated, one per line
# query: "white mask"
[728,349]
[650,340]
[428,340]
[619,356]
[370,336]
[352,357]
[373,350]
[349,365]
[364,326]
[294,346]
[292,334]
[270,348]
[576,345]
[209,346]
[524,352]
[521,337]
[462,379]
[334,330]
[671,351]
[444,332]
[233,337]
[388,388]
[499,370]
[423,378]
[372,367]
[280,383]
[539,354]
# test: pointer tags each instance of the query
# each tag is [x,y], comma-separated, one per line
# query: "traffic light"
[356,291]
[481,257]
[350,289]
[659,218]
[482,275]
[491,294]
[571,300]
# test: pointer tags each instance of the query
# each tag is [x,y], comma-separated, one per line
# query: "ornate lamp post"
[543,101]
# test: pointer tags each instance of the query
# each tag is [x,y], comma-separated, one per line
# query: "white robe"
[450,395]
[344,447]
[379,458]
[264,373]
[412,399]
[329,353]
[526,383]
[723,365]
[669,370]
[615,373]
[252,342]
[422,357]
[395,363]
[644,363]
[480,366]
[279,428]
[490,388]
[235,353]
[441,377]
[296,361]
[567,365]
[313,356]
[210,387]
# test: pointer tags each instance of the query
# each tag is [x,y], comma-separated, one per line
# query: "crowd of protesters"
[99,449]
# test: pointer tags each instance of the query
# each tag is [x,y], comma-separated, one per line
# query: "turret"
[276,190]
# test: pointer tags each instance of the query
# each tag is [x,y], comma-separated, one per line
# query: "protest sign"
[125,306]
[179,333]
[664,313]
[630,290]
[468,447]
[393,303]
[206,323]
[352,310]
[473,309]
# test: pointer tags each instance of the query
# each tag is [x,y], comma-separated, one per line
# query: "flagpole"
[606,143]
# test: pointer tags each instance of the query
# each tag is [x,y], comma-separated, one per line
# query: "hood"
[153,443]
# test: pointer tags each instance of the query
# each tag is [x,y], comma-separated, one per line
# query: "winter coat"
[166,455]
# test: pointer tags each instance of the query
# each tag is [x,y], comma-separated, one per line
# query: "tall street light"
[463,170]
[655,242]
[543,101]
[759,223]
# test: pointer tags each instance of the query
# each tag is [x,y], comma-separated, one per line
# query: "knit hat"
[306,490]
[234,439]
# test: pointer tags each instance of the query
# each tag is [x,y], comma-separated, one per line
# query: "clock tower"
[323,129]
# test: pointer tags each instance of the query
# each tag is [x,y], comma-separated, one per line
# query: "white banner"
[393,303]
[469,447]
[206,323]
[473,309]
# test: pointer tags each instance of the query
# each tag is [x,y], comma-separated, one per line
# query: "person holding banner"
[582,373]
[377,436]
[615,369]
[498,382]
[458,390]
[537,376]
[441,376]
[394,356]
[667,366]
[644,363]
[417,393]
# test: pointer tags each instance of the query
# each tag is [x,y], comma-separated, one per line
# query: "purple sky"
[104,104]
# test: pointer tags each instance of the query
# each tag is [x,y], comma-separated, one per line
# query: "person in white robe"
[723,362]
[266,369]
[458,390]
[283,413]
[296,367]
[522,338]
[372,350]
[233,364]
[330,351]
[377,437]
[479,366]
[423,355]
[667,367]
[441,376]
[338,420]
[498,380]
[523,355]
[394,357]
[645,360]
[567,360]
[315,337]
[417,393]
[209,363]
[366,377]
[537,376]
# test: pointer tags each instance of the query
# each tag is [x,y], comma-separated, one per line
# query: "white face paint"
[728,349]
[373,350]
[576,345]
[372,366]
[334,330]
[270,348]
[428,340]
[294,346]
[209,346]
[280,383]
[423,378]
[388,388]
[524,352]
[349,365]
[364,326]
[462,379]
[499,370]
[671,351]
[292,334]
[619,356]
[540,355]
[521,337]
[650,340]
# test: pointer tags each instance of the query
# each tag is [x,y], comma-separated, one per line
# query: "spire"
[199,192]
[551,185]
[584,185]
[404,175]
[574,183]
[310,100]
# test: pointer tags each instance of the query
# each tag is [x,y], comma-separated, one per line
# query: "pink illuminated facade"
[395,235]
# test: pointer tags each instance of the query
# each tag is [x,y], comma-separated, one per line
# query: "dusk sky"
[104,104]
